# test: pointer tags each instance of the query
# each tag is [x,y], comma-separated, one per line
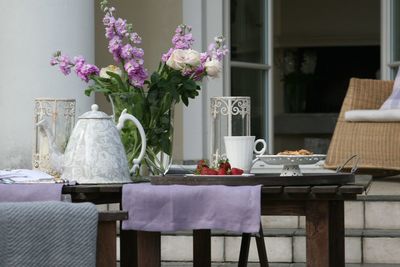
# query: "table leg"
[325,233]
[336,233]
[128,248]
[244,250]
[148,249]
[202,248]
[262,250]
[106,245]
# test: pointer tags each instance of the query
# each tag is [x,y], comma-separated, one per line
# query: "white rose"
[180,58]
[177,59]
[192,58]
[213,68]
[110,68]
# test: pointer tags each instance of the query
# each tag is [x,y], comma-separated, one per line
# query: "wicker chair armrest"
[365,94]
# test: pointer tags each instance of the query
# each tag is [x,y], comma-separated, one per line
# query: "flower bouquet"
[151,99]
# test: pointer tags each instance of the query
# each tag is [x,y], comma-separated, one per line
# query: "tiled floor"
[234,264]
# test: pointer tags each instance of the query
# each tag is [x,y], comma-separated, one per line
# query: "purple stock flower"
[108,20]
[136,72]
[79,61]
[86,70]
[128,51]
[64,64]
[120,27]
[182,39]
[217,50]
[166,56]
[114,47]
[53,61]
[135,38]
[82,70]
[110,33]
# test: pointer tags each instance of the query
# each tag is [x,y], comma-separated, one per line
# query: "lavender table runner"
[180,207]
[30,192]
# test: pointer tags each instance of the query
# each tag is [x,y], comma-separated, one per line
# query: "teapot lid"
[94,114]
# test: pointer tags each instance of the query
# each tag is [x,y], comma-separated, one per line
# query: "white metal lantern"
[59,115]
[230,116]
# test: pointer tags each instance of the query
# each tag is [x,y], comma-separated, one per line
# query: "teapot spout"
[56,157]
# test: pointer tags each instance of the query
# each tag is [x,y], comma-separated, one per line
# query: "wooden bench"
[106,237]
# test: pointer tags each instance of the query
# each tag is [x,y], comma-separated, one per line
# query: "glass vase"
[158,126]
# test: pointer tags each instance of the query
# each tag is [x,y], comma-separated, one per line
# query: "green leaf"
[117,78]
[190,85]
[89,90]
[155,78]
[185,100]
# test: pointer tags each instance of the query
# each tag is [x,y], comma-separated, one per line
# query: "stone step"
[234,264]
[368,212]
[288,246]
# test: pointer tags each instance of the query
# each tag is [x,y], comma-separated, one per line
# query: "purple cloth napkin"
[180,207]
[30,192]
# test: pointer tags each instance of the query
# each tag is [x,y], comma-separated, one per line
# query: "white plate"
[199,175]
[291,159]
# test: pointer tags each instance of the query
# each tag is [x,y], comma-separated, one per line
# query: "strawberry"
[212,172]
[225,165]
[236,171]
[204,170]
[200,165]
[208,171]
[221,171]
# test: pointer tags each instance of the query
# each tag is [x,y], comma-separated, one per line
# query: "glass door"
[251,61]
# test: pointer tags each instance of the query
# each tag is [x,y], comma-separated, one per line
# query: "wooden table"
[322,205]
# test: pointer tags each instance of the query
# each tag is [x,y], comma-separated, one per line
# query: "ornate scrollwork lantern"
[60,117]
[230,116]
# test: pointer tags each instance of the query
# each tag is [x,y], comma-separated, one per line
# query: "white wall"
[207,20]
[31,31]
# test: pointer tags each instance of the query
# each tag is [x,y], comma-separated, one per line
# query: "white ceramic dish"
[198,175]
[291,159]
[291,162]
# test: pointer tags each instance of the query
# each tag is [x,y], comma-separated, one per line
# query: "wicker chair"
[376,143]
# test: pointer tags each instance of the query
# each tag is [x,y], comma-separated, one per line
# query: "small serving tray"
[263,179]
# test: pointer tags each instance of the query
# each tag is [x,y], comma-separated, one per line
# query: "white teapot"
[95,153]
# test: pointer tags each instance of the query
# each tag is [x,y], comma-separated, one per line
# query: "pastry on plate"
[301,152]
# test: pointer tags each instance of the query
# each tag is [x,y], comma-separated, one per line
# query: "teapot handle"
[121,121]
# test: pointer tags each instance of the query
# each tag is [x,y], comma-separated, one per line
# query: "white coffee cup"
[239,151]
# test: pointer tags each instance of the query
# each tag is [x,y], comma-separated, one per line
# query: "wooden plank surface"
[263,179]
[327,189]
[113,216]
[271,189]
[282,207]
[351,189]
[297,189]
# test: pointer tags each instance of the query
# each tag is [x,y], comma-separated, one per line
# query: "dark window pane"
[250,82]
[324,88]
[395,31]
[247,31]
